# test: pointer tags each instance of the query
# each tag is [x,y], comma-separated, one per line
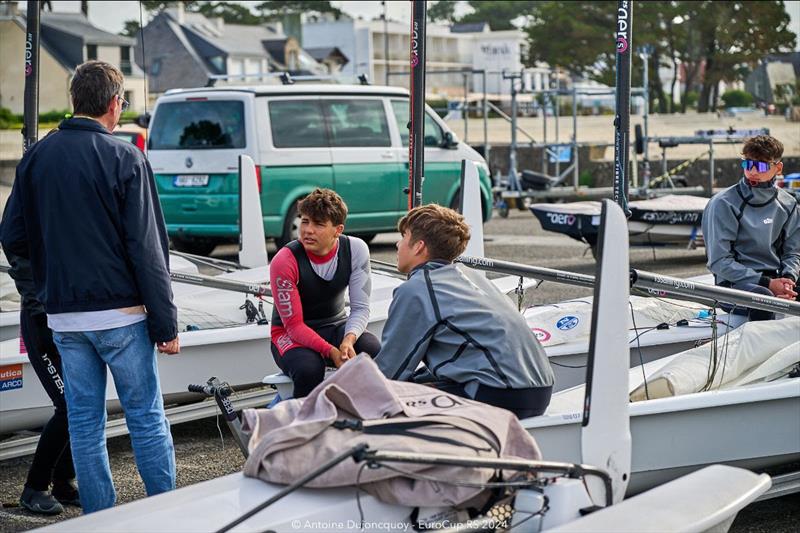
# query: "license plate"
[191,180]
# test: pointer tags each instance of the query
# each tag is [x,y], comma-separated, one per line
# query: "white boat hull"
[243,353]
[753,427]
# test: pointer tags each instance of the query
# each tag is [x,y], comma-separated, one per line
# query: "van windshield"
[197,125]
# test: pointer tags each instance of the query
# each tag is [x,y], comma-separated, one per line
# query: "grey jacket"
[749,230]
[456,321]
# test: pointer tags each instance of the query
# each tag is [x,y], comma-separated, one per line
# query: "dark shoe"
[66,492]
[40,502]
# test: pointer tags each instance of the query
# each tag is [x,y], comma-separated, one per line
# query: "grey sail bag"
[359,405]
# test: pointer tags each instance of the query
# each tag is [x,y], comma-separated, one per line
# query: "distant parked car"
[738,111]
[133,134]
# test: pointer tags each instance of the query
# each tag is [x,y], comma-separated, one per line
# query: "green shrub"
[691,98]
[6,118]
[737,98]
[54,115]
[585,178]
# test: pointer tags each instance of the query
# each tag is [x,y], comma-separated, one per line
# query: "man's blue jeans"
[130,355]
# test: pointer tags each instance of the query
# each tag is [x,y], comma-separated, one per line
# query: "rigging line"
[639,349]
[144,61]
[487,485]
[725,348]
[358,494]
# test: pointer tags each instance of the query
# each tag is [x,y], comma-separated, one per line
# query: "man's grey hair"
[93,86]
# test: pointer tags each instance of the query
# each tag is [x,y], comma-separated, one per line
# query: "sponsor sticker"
[541,334]
[567,322]
[10,377]
[561,219]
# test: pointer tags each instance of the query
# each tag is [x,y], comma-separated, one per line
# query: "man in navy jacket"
[84,209]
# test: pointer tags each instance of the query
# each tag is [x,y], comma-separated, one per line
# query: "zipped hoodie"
[750,230]
[85,210]
[465,330]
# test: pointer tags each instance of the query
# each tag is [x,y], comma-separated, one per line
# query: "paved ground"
[204,451]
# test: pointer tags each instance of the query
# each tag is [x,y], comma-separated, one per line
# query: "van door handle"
[387,155]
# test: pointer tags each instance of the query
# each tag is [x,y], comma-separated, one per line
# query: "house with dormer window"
[182,49]
[66,41]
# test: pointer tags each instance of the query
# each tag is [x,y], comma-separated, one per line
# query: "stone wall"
[592,160]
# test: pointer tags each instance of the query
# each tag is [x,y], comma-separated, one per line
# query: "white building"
[373,46]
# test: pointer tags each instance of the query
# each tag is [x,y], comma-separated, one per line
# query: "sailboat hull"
[754,427]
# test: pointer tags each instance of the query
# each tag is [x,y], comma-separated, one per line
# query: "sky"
[111,16]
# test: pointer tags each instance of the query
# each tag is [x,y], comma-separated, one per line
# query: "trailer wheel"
[502,209]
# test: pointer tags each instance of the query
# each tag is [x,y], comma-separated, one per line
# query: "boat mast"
[416,133]
[624,39]
[30,123]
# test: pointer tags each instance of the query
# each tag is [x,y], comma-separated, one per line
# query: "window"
[125,60]
[196,125]
[91,52]
[357,123]
[155,67]
[433,132]
[128,95]
[297,124]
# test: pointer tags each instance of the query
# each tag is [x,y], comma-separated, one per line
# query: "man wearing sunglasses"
[752,229]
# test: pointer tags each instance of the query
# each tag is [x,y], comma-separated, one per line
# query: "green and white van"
[349,138]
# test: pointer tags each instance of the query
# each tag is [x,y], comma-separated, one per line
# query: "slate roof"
[77,25]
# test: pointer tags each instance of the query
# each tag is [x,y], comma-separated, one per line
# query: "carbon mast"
[416,133]
[623,35]
[30,121]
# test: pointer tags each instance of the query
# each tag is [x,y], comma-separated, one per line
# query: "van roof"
[299,88]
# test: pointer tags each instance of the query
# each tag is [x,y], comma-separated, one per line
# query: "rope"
[678,168]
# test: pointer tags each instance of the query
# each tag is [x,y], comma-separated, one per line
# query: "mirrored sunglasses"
[760,166]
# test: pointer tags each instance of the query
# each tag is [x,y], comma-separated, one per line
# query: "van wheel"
[291,227]
[366,237]
[202,247]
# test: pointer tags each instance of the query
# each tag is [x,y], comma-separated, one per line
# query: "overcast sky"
[111,16]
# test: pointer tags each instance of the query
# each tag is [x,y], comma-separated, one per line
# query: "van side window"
[297,124]
[433,132]
[357,123]
[198,125]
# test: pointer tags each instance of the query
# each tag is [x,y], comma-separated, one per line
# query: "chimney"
[219,22]
[181,15]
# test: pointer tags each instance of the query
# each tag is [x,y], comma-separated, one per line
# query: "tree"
[131,28]
[230,12]
[154,6]
[712,41]
[760,28]
[498,13]
[442,11]
[576,36]
[276,9]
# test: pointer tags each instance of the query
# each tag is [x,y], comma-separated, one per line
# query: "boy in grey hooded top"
[752,229]
[470,337]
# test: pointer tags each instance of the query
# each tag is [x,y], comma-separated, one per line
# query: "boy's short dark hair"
[763,148]
[444,231]
[323,205]
[93,86]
